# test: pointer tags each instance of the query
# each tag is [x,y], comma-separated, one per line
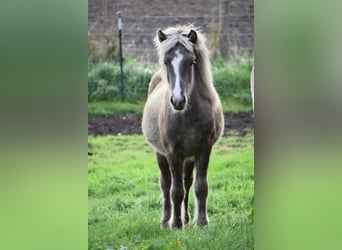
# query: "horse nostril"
[172,100]
[183,102]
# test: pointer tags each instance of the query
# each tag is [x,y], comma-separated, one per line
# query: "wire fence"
[228,24]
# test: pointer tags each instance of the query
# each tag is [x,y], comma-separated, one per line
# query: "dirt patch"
[238,123]
[127,124]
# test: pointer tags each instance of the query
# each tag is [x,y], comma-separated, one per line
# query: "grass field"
[125,202]
[111,107]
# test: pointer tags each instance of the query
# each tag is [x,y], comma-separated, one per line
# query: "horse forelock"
[170,43]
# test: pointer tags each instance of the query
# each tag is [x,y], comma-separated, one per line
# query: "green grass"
[125,202]
[111,107]
[232,105]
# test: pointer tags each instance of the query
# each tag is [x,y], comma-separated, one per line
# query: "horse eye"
[193,62]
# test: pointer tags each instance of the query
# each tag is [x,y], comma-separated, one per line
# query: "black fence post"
[119,14]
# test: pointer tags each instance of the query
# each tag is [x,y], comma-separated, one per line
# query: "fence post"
[223,27]
[119,14]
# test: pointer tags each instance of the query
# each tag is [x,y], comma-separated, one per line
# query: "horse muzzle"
[178,103]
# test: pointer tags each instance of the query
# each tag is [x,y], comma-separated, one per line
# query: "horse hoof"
[165,224]
[202,223]
[177,224]
[186,219]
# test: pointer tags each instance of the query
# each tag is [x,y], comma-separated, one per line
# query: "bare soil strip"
[127,124]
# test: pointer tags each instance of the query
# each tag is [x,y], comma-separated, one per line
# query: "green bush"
[137,76]
[231,79]
[104,81]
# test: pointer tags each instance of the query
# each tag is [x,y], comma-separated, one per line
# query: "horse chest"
[188,136]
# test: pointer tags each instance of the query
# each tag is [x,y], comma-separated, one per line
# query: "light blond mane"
[203,76]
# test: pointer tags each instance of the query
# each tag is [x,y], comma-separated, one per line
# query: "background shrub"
[231,79]
[104,80]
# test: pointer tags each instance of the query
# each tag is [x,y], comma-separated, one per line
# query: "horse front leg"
[187,179]
[165,185]
[201,187]
[177,191]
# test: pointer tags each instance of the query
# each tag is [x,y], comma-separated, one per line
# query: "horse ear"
[192,36]
[161,36]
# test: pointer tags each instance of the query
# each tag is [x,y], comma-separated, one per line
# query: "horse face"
[180,73]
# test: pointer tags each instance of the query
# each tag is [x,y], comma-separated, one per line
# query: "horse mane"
[203,76]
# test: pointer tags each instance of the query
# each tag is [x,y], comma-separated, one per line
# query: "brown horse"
[182,120]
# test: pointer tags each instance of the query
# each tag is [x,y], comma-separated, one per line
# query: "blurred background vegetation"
[231,77]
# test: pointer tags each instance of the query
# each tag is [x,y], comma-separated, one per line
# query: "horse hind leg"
[187,179]
[165,185]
